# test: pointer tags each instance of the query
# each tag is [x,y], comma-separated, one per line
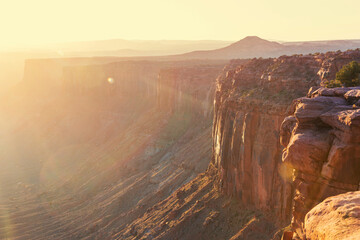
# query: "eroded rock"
[323,148]
[251,100]
[337,217]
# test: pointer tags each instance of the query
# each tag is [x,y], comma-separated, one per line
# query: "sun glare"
[110,80]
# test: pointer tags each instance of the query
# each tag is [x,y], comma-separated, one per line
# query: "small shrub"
[332,84]
[348,76]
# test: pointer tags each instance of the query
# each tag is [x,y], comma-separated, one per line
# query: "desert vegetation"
[348,76]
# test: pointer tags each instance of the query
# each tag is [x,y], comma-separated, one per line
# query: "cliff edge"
[251,101]
[322,146]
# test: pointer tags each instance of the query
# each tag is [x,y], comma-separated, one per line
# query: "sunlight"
[156,119]
[110,80]
[60,53]
[6,226]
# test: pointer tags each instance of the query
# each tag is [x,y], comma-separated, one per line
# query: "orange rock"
[324,149]
[337,217]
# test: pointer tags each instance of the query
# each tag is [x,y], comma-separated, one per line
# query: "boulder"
[352,95]
[335,218]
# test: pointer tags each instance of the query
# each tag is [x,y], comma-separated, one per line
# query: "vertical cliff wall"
[251,100]
[189,89]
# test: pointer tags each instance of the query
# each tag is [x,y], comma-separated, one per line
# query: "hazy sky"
[42,21]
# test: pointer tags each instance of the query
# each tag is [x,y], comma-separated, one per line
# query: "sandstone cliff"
[322,145]
[251,100]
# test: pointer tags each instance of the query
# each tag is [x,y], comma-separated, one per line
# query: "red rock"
[251,99]
[287,236]
[307,151]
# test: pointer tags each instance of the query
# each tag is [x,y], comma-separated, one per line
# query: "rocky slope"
[322,145]
[198,210]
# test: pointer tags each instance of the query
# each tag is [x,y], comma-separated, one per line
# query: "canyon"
[109,148]
[80,150]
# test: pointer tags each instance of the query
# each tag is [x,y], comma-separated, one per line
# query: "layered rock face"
[170,86]
[189,89]
[251,100]
[335,218]
[322,145]
[248,115]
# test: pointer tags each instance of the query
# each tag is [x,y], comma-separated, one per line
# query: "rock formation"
[337,217]
[251,100]
[322,145]
[141,151]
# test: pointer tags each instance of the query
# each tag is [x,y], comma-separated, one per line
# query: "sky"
[36,22]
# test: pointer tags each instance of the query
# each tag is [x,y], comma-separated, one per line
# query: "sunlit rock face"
[337,217]
[323,146]
[251,101]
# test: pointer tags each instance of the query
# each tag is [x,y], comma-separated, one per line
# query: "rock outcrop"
[322,145]
[251,100]
[335,218]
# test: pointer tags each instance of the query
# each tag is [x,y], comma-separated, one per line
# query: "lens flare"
[110,80]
